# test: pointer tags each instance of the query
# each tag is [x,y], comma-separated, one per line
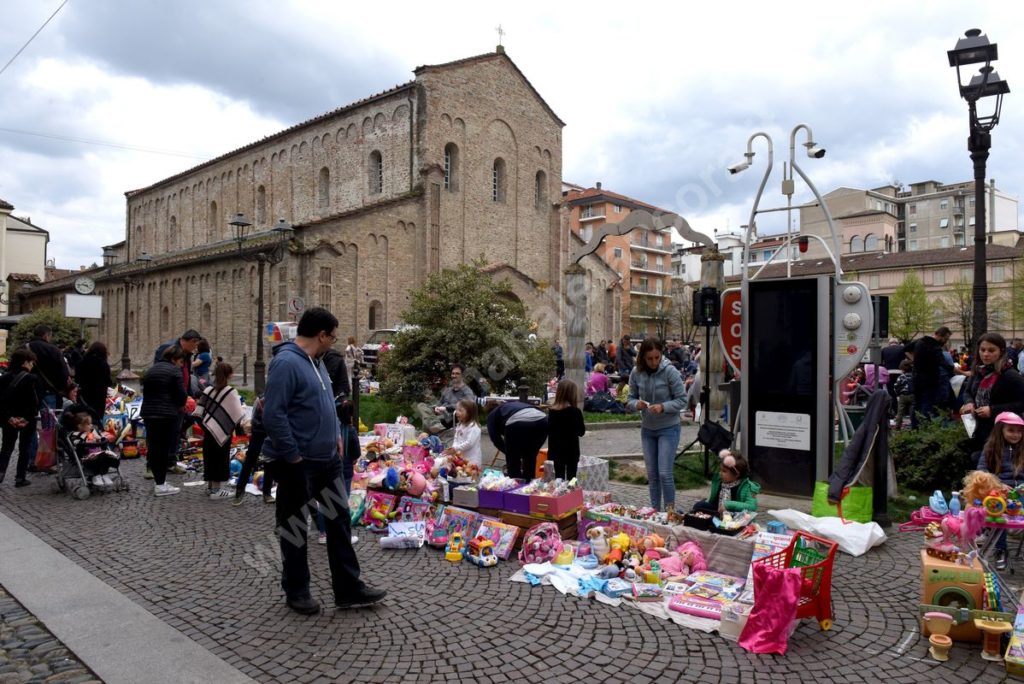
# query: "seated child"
[93,448]
[731,487]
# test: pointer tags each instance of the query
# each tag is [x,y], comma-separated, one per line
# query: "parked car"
[371,349]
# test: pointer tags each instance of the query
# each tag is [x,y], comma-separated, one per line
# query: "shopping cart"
[814,556]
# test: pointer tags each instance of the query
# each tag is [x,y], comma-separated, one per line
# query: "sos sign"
[731,327]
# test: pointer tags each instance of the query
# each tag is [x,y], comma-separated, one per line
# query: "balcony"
[647,291]
[647,267]
[590,214]
[643,242]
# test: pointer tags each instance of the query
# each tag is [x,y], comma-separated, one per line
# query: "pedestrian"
[338,371]
[1003,456]
[188,342]
[257,435]
[518,430]
[625,357]
[20,398]
[559,359]
[162,410]
[656,390]
[565,427]
[929,392]
[93,377]
[441,417]
[74,355]
[50,366]
[598,381]
[353,356]
[202,363]
[304,442]
[993,388]
[904,389]
[220,409]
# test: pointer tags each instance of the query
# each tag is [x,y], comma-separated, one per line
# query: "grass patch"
[590,417]
[689,471]
[373,409]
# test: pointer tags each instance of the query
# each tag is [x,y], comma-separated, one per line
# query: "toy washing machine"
[951,585]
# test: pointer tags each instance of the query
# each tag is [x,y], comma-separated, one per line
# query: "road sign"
[296,305]
[731,327]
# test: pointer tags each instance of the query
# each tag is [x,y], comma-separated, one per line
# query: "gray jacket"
[663,386]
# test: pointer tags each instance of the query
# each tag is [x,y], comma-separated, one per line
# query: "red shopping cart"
[814,556]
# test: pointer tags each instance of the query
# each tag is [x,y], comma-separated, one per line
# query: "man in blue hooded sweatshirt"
[304,442]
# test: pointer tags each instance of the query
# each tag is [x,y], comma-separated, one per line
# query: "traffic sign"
[296,305]
[731,328]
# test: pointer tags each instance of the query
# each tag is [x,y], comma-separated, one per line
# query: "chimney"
[598,185]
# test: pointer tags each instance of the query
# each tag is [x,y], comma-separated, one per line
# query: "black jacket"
[186,373]
[334,362]
[93,377]
[50,365]
[927,361]
[497,419]
[20,395]
[892,356]
[1007,395]
[163,394]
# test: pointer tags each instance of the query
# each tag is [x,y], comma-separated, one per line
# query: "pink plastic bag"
[776,595]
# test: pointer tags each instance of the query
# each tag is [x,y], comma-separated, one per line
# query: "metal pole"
[355,396]
[978,144]
[259,368]
[126,362]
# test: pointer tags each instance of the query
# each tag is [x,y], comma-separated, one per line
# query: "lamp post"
[975,48]
[128,279]
[265,252]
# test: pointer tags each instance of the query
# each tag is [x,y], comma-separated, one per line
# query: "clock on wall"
[84,285]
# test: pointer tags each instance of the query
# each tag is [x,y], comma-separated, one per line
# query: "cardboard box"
[556,507]
[1015,651]
[516,503]
[592,473]
[465,497]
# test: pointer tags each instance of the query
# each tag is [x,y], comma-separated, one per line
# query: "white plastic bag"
[853,538]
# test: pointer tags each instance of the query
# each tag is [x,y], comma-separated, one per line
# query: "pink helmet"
[1009,418]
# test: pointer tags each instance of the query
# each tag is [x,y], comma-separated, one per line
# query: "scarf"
[725,493]
[983,397]
[221,411]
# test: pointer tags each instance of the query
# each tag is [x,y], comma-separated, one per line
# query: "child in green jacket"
[731,487]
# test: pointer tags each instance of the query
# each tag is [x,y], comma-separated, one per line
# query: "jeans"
[298,485]
[26,437]
[659,457]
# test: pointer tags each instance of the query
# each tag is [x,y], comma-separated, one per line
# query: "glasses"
[334,338]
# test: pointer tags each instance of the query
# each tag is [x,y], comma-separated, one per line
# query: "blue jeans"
[660,448]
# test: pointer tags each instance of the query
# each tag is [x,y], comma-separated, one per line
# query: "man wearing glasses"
[305,446]
[442,416]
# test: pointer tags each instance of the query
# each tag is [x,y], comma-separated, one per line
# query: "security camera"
[739,166]
[814,151]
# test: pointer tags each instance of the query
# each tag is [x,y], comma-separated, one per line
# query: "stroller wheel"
[81,492]
[56,487]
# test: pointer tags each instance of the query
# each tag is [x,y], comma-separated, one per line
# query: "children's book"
[456,519]
[502,534]
[411,509]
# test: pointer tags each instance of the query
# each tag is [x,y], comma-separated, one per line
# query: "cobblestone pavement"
[210,571]
[29,653]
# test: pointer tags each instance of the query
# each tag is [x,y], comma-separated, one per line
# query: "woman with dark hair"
[163,402]
[93,378]
[220,408]
[656,390]
[202,363]
[992,388]
[21,396]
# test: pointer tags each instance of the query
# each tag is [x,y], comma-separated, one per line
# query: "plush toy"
[687,558]
[978,485]
[618,544]
[598,537]
[541,544]
[651,544]
[412,482]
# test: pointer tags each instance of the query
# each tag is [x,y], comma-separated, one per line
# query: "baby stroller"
[76,471]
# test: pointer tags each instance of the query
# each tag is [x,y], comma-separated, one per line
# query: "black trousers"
[298,486]
[25,437]
[522,442]
[252,458]
[161,445]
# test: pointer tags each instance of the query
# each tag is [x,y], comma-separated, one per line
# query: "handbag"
[714,436]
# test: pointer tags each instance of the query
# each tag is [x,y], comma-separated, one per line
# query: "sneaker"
[321,538]
[221,494]
[97,481]
[22,483]
[108,482]
[238,501]
[355,539]
[178,468]
[1000,559]
[366,596]
[304,605]
[165,489]
[268,498]
[148,474]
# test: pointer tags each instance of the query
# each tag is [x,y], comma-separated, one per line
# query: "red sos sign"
[732,327]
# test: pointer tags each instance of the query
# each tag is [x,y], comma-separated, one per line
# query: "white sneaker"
[355,539]
[221,494]
[97,481]
[178,468]
[322,538]
[165,489]
[108,482]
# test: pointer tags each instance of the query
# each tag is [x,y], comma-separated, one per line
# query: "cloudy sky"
[115,95]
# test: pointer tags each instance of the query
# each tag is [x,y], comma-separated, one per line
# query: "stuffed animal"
[978,485]
[687,558]
[598,537]
[541,544]
[651,544]
[619,544]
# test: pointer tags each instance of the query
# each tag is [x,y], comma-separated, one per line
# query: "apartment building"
[641,259]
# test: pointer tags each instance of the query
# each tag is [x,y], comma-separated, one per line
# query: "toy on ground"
[456,549]
[542,543]
[618,545]
[992,637]
[437,536]
[481,552]
[814,556]
[939,625]
[598,537]
[687,558]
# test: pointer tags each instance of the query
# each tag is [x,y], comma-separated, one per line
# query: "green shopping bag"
[856,504]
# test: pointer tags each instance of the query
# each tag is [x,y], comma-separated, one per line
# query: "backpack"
[541,544]
[904,384]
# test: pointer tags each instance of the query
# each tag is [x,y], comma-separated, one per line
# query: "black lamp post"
[975,48]
[264,252]
[130,278]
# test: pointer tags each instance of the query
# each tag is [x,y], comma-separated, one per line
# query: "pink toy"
[687,558]
[413,482]
[541,544]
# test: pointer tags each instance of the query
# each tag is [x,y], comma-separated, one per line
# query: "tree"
[461,315]
[65,330]
[910,312]
[959,305]
[682,311]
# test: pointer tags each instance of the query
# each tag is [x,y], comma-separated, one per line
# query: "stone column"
[712,274]
[576,323]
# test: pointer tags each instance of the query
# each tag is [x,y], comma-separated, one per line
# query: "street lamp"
[974,48]
[265,252]
[129,278]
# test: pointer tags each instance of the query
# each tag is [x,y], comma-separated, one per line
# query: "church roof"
[5,205]
[486,57]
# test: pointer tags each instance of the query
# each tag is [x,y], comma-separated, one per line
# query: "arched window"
[165,321]
[213,222]
[376,317]
[139,247]
[871,243]
[540,191]
[324,188]
[376,172]
[172,234]
[856,244]
[498,180]
[207,316]
[261,206]
[451,167]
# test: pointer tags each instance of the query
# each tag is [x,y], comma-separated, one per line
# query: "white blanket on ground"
[567,582]
[853,538]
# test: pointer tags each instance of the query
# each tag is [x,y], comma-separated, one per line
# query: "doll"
[687,558]
[978,484]
[651,545]
[598,537]
[619,544]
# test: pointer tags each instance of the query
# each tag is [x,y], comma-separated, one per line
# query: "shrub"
[65,330]
[934,456]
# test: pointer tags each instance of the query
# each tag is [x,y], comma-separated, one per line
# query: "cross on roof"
[501,33]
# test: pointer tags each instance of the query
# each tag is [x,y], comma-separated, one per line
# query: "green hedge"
[934,456]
